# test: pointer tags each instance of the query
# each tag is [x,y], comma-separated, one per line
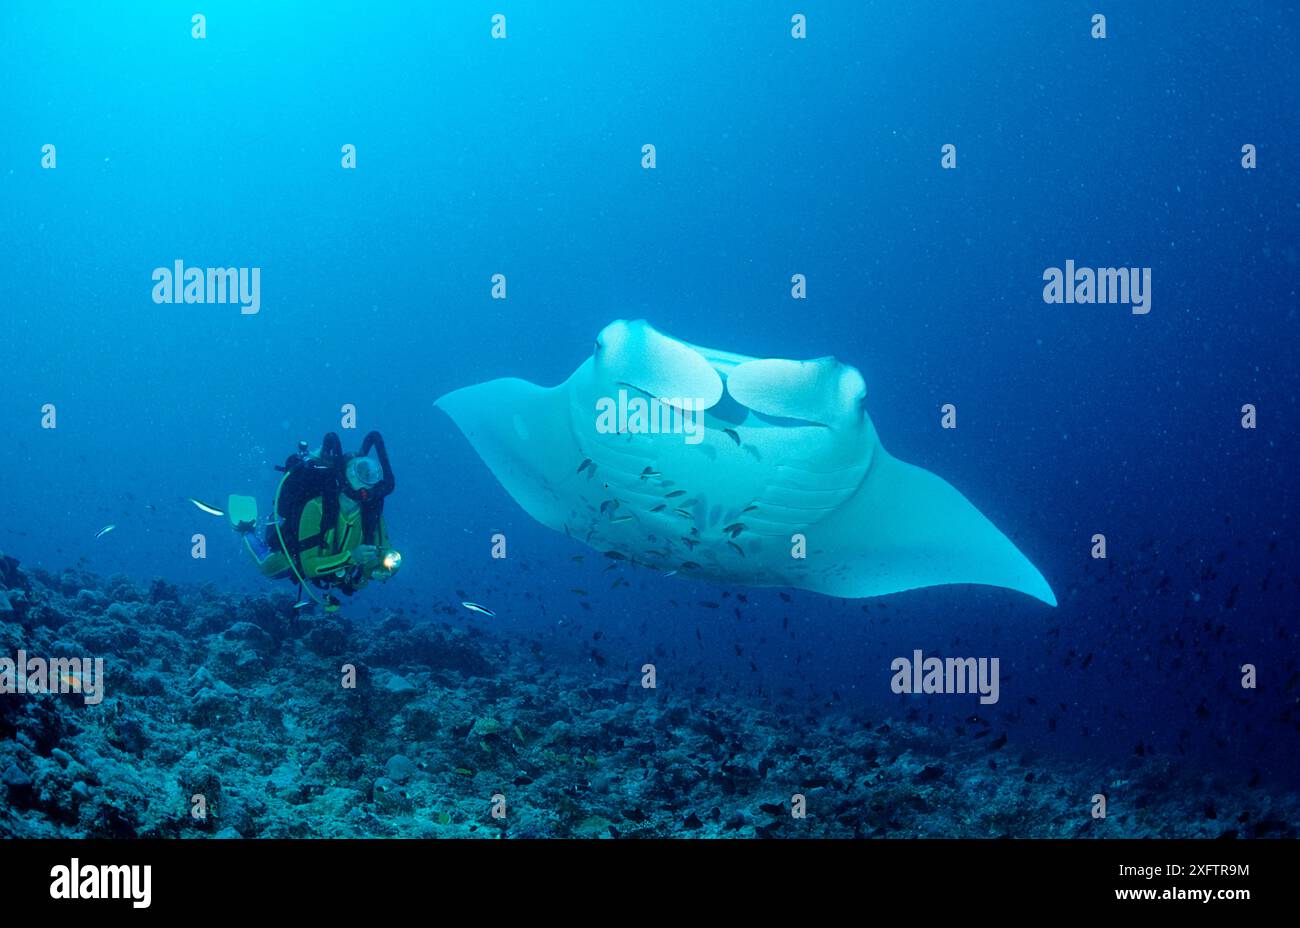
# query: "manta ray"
[709,464]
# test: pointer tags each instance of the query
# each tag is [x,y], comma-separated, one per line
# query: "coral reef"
[235,716]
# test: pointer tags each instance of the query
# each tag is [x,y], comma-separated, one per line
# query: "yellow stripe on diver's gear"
[275,515]
[327,566]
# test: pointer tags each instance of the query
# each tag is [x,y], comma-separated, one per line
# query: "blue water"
[775,156]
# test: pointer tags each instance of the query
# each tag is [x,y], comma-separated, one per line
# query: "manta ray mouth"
[683,401]
[786,422]
[729,410]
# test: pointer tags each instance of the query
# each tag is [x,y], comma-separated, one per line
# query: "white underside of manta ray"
[787,451]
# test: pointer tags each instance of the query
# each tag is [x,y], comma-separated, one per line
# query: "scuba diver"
[327,527]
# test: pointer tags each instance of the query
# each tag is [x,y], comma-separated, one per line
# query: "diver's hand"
[366,557]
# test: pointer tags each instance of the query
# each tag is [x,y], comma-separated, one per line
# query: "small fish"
[650,472]
[690,565]
[670,573]
[609,505]
[749,509]
[210,510]
[586,462]
[615,556]
[577,590]
[660,508]
[684,513]
[482,610]
[735,436]
[619,519]
[302,604]
[675,493]
[105,530]
[735,528]
[737,547]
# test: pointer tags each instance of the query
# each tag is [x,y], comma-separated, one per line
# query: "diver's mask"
[363,473]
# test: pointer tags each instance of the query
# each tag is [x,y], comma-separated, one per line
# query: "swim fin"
[243,513]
